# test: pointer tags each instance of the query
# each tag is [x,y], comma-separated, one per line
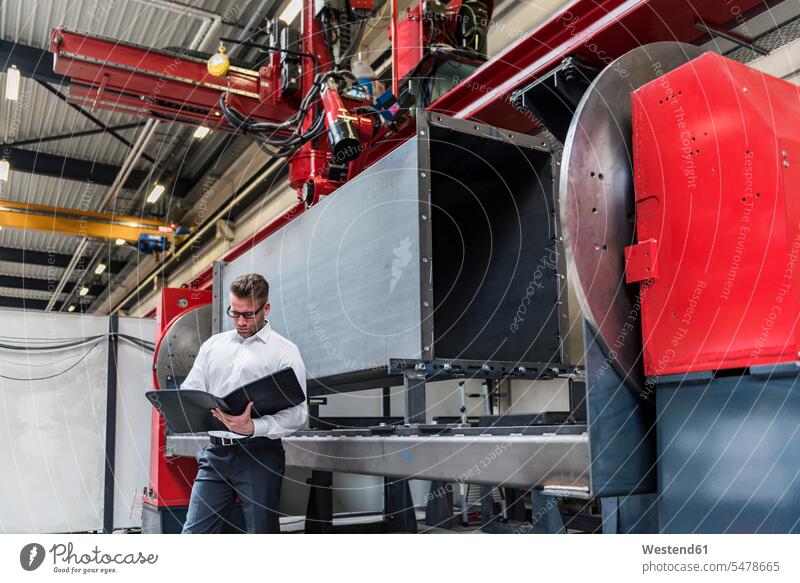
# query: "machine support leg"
[546,514]
[630,514]
[386,407]
[439,509]
[515,504]
[462,394]
[319,513]
[488,516]
[415,400]
[399,511]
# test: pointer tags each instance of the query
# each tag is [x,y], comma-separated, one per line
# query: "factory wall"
[53,404]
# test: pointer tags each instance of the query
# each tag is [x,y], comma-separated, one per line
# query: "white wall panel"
[132,450]
[52,444]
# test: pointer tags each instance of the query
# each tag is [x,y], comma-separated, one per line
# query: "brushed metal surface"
[519,461]
[179,347]
[522,461]
[597,200]
[345,275]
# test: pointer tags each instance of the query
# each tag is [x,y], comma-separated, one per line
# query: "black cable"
[71,344]
[60,346]
[143,344]
[66,370]
[286,146]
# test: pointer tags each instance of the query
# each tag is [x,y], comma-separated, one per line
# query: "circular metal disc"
[597,203]
[180,344]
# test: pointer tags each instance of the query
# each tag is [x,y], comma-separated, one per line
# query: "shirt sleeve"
[197,378]
[284,423]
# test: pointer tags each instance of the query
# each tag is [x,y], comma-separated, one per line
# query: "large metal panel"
[445,254]
[344,276]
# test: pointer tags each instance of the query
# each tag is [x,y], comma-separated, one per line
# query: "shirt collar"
[260,336]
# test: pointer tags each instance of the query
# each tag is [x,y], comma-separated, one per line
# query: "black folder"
[189,410]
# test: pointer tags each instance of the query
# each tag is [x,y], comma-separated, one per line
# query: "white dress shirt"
[227,361]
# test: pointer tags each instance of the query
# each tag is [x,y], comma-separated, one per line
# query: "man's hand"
[242,424]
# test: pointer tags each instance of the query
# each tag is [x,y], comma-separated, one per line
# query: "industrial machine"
[183,323]
[591,154]
[303,103]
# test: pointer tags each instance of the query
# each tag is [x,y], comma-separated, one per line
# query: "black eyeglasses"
[247,315]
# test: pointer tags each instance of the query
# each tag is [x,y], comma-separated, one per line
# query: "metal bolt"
[785,163]
[744,89]
[785,153]
[425,304]
[424,217]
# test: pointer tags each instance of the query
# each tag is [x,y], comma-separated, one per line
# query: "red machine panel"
[717,176]
[171,479]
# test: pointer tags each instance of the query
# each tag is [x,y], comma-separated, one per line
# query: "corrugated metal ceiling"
[39,113]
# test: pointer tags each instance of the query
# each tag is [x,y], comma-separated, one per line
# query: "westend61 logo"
[65,560]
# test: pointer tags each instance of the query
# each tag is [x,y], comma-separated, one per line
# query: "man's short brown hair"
[251,285]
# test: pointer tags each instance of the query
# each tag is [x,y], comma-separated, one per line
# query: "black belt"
[230,441]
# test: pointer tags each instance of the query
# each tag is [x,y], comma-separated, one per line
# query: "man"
[248,460]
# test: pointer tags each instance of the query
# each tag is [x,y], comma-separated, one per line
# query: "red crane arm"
[110,74]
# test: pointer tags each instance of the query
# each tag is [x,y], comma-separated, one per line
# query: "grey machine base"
[729,452]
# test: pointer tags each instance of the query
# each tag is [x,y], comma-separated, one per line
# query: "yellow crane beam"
[81,223]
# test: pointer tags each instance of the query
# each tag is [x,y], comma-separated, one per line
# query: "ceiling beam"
[71,135]
[32,283]
[32,62]
[57,260]
[92,118]
[37,64]
[68,168]
[29,304]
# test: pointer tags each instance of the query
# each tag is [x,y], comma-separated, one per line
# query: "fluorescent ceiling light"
[12,83]
[84,291]
[291,11]
[120,242]
[201,132]
[156,193]
[101,267]
[5,170]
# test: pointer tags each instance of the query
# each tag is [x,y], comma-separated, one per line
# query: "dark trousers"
[252,471]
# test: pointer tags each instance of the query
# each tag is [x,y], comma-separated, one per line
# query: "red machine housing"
[419,27]
[717,174]
[171,479]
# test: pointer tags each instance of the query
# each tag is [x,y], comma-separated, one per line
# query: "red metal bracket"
[641,261]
